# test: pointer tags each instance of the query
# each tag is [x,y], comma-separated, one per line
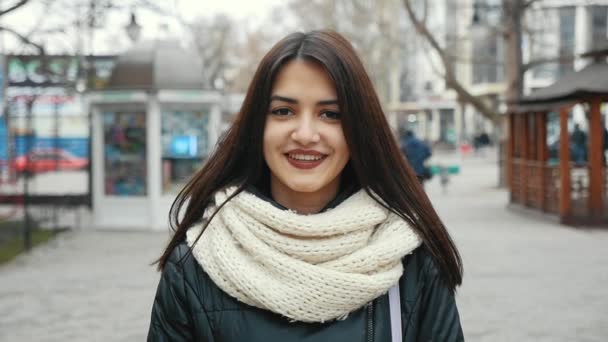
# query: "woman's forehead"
[304,79]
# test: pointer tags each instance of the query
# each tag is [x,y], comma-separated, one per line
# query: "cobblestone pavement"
[526,278]
[83,286]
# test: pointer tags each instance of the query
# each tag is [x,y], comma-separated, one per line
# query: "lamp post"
[133,28]
[475,18]
[478,39]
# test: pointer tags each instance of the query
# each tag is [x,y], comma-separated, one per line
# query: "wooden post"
[510,150]
[565,204]
[541,154]
[523,176]
[596,144]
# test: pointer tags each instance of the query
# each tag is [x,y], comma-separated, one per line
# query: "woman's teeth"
[305,157]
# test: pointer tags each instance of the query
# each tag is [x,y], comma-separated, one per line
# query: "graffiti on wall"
[58,71]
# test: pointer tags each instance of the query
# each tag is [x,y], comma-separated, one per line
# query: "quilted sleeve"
[439,318]
[170,319]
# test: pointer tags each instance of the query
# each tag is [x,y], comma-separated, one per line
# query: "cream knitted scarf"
[310,268]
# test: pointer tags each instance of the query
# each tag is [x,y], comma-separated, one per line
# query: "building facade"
[554,31]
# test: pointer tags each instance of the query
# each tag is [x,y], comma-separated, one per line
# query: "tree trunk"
[513,11]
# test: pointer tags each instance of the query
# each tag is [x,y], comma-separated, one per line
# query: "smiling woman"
[304,145]
[306,212]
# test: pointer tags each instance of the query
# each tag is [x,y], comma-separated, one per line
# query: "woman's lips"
[304,164]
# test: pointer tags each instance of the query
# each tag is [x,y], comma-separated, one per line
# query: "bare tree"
[371,26]
[57,21]
[12,7]
[249,49]
[230,50]
[24,38]
[213,39]
[511,29]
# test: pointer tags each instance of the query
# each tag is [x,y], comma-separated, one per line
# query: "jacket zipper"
[370,321]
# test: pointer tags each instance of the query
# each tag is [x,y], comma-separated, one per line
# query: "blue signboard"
[78,147]
[2,97]
[184,146]
[3,141]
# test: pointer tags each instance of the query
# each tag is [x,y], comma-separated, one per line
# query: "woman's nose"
[306,131]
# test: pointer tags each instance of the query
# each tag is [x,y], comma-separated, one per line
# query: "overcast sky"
[235,8]
[112,38]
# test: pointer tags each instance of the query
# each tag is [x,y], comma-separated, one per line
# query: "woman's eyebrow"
[283,98]
[327,102]
[294,101]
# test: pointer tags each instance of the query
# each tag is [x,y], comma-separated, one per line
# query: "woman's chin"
[304,187]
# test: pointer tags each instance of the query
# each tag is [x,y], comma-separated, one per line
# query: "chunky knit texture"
[310,268]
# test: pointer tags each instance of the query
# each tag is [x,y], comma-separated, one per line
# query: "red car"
[48,159]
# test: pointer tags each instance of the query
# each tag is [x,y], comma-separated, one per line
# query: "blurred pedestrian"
[303,218]
[579,145]
[417,152]
[444,178]
[480,142]
[484,139]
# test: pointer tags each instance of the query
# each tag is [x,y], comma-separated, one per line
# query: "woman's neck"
[303,202]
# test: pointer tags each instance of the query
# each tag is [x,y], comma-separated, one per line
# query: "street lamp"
[81,81]
[133,28]
[486,13]
[479,24]
[476,16]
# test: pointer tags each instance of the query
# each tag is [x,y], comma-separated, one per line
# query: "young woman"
[305,216]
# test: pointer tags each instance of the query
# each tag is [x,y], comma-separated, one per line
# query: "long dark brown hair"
[376,162]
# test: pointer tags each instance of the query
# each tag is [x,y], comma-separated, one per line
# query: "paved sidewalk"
[526,279]
[83,286]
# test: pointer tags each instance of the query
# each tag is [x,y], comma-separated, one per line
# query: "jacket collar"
[344,193]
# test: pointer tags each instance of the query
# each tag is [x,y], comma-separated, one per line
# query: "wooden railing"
[552,187]
[579,193]
[537,185]
[516,181]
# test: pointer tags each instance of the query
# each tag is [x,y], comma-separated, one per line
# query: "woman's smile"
[302,159]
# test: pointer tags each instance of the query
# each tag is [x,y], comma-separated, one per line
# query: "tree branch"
[24,39]
[151,5]
[450,75]
[14,7]
[425,13]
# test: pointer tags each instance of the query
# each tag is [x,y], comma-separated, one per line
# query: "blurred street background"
[526,278]
[107,107]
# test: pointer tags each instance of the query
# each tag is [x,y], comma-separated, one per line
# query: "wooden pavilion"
[575,192]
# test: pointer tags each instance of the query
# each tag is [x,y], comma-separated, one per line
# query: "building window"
[125,153]
[543,41]
[405,87]
[488,66]
[447,127]
[599,27]
[487,46]
[185,145]
[567,21]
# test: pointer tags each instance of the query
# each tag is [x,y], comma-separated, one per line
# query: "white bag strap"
[394,302]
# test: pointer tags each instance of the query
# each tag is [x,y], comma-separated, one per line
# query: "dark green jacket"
[190,307]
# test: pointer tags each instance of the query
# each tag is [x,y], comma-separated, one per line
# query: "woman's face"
[304,144]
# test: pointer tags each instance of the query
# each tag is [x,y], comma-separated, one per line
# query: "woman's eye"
[331,115]
[281,111]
